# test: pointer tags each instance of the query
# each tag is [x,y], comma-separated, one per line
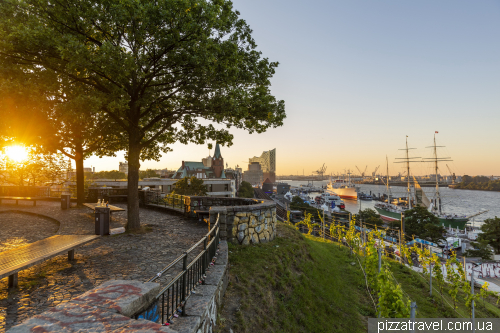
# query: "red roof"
[267,181]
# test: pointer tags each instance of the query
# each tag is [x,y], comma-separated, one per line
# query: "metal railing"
[175,294]
[168,200]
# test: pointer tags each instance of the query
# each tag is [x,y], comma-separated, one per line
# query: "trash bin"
[102,221]
[65,201]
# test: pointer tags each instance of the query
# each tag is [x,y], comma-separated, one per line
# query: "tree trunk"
[80,176]
[134,152]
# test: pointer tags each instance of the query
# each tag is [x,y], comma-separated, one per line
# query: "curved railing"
[175,294]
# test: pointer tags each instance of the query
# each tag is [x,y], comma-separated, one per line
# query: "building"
[123,167]
[282,188]
[215,187]
[235,174]
[254,175]
[267,163]
[209,167]
[267,186]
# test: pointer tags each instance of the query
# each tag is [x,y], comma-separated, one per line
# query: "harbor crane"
[375,172]
[362,173]
[321,171]
[453,177]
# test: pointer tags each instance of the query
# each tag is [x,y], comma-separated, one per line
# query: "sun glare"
[16,153]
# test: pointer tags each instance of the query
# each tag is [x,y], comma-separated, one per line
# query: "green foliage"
[159,72]
[419,222]
[245,190]
[391,303]
[453,277]
[481,249]
[147,174]
[371,217]
[491,233]
[299,204]
[35,170]
[295,284]
[479,183]
[190,186]
[437,271]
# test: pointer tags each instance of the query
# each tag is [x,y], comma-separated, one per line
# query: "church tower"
[217,162]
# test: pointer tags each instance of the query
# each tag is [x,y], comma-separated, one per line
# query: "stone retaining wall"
[249,224]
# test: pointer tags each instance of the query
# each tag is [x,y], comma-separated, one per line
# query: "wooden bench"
[15,260]
[34,199]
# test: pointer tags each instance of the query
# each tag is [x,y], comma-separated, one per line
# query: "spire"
[217,151]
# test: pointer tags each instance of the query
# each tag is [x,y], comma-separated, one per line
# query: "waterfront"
[461,202]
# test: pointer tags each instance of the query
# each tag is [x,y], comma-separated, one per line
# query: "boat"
[416,196]
[345,190]
[364,196]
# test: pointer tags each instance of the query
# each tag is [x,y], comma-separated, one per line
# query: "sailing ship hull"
[451,222]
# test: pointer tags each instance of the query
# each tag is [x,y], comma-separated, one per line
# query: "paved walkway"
[125,256]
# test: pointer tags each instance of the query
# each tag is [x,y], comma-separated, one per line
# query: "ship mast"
[407,159]
[408,173]
[438,197]
[388,188]
[436,159]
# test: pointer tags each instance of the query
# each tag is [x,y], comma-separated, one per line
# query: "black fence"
[174,295]
[175,201]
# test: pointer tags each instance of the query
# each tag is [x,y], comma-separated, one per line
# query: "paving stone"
[118,257]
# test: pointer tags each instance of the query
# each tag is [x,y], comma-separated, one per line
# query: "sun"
[16,153]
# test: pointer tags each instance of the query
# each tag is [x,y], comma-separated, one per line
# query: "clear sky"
[358,76]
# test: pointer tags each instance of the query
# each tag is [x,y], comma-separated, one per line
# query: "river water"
[460,202]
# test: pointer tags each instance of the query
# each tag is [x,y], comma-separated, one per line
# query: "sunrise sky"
[358,76]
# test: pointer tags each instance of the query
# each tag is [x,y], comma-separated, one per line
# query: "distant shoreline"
[472,189]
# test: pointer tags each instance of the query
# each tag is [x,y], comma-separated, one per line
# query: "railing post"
[184,269]
[205,263]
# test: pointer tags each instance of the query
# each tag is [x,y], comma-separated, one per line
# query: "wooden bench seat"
[34,199]
[15,260]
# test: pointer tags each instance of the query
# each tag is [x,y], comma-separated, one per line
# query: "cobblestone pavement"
[124,256]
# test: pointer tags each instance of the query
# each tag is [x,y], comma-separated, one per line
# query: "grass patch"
[299,283]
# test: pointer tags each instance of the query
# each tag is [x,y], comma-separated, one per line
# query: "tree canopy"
[371,217]
[491,233]
[478,183]
[162,71]
[190,186]
[246,190]
[421,223]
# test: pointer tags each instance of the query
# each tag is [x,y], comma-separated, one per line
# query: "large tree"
[421,223]
[165,70]
[42,109]
[491,233]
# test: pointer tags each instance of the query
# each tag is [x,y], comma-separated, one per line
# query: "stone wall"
[249,224]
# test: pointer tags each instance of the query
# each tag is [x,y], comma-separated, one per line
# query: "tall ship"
[342,188]
[416,196]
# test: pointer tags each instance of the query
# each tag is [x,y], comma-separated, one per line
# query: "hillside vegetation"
[300,283]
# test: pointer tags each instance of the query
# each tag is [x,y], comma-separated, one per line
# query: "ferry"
[345,190]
